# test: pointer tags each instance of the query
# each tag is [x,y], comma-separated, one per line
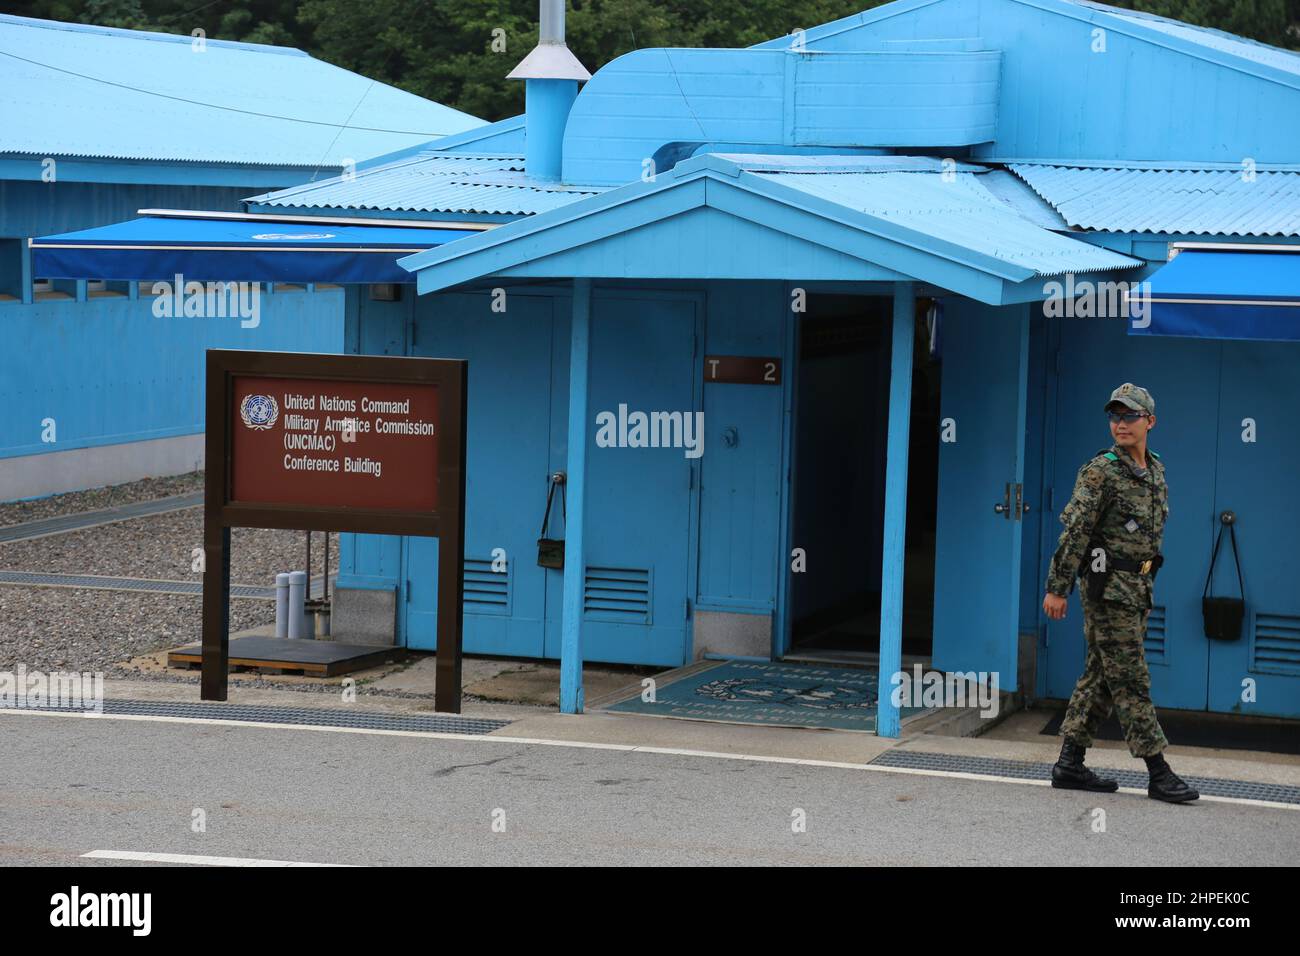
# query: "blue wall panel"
[41,209]
[108,371]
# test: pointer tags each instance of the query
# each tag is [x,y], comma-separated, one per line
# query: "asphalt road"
[72,785]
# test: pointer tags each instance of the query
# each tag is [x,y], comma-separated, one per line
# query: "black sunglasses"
[1127,417]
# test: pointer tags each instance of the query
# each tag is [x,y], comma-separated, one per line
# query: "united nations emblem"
[259,411]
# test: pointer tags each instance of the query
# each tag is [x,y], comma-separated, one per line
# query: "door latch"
[1009,510]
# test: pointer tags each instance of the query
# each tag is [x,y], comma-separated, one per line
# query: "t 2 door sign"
[742,369]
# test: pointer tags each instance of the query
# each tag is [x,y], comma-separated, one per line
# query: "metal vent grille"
[617,594]
[486,591]
[1277,644]
[1025,770]
[1154,645]
[312,716]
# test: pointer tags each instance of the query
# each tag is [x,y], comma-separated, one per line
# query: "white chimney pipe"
[552,22]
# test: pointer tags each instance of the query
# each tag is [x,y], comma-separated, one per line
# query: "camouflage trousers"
[1115,676]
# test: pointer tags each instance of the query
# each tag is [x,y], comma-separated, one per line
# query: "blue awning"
[239,249]
[1224,294]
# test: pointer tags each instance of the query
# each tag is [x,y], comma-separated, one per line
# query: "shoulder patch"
[1110,455]
[1093,474]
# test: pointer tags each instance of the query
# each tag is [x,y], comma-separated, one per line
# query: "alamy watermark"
[930,689]
[63,690]
[651,430]
[1087,299]
[209,300]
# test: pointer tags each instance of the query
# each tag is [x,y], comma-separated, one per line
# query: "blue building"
[890,267]
[96,387]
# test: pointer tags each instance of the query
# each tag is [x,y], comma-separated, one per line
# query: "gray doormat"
[776,694]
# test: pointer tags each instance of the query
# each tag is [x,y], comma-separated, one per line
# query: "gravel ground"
[96,499]
[77,629]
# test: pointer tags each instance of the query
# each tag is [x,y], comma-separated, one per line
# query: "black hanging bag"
[550,551]
[1223,615]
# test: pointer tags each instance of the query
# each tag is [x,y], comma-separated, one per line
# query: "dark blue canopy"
[238,249]
[1225,294]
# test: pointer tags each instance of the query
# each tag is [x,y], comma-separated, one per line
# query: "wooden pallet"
[280,655]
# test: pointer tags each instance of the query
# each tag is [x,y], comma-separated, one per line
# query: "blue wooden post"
[571,699]
[891,582]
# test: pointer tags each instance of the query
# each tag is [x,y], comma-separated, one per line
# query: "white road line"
[625,748]
[192,860]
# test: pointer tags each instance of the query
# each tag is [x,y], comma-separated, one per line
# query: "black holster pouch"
[1095,582]
[1091,582]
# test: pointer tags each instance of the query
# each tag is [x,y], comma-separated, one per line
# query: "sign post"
[359,443]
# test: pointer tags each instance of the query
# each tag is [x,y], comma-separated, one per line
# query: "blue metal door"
[508,451]
[1258,461]
[977,550]
[1094,356]
[639,517]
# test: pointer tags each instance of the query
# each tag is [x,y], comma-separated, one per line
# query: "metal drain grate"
[1024,770]
[88,519]
[313,716]
[107,583]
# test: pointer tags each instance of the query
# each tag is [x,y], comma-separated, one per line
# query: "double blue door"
[640,500]
[1230,440]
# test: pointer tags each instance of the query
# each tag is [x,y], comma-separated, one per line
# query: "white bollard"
[282,605]
[297,597]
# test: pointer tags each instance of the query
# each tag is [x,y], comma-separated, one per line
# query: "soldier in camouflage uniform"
[1114,524]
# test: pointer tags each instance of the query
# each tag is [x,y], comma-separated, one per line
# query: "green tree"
[458,52]
[1276,22]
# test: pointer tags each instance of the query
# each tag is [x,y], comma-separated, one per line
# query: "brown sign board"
[356,443]
[742,369]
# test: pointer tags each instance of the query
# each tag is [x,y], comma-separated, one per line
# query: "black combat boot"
[1165,784]
[1069,773]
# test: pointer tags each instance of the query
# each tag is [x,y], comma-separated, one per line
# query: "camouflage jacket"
[1115,509]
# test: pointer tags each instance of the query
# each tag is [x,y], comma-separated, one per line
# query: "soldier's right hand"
[1054,606]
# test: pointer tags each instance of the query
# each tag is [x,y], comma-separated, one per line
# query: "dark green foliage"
[443,49]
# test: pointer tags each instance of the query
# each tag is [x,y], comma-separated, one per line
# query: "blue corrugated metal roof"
[946,229]
[844,163]
[1219,40]
[1022,200]
[1196,202]
[434,181]
[956,208]
[85,91]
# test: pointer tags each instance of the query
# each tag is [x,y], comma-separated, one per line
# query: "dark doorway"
[841,425]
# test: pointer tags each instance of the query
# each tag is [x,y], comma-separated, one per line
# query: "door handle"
[1005,507]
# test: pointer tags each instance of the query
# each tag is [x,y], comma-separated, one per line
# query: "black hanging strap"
[564,506]
[1232,533]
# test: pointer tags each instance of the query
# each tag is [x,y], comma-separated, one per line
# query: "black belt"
[1149,566]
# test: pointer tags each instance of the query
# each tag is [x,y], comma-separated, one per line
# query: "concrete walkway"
[1012,740]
